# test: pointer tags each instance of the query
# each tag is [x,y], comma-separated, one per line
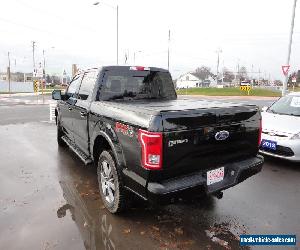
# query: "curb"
[271,98]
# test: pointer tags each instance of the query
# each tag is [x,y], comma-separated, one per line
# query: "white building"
[189,80]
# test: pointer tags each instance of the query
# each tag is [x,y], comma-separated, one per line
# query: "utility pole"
[169,39]
[33,58]
[34,69]
[74,69]
[218,62]
[44,61]
[284,87]
[238,69]
[8,71]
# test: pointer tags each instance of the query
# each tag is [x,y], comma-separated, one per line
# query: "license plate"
[268,144]
[214,176]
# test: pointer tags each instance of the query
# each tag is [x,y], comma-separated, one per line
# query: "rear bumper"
[235,173]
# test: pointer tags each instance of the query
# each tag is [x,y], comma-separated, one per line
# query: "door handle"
[69,108]
[82,114]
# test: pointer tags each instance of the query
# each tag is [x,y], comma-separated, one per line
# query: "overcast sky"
[249,32]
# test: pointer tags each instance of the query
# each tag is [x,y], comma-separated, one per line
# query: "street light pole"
[284,87]
[117,34]
[169,39]
[117,10]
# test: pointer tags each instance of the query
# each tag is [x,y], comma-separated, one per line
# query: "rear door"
[66,107]
[81,110]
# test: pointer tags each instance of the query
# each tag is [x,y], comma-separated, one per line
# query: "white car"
[281,128]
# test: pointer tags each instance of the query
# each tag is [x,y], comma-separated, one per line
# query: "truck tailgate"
[193,138]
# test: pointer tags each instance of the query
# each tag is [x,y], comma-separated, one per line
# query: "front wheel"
[110,183]
[60,134]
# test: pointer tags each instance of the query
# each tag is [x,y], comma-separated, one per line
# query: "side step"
[85,158]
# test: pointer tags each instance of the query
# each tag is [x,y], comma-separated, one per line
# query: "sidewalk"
[24,94]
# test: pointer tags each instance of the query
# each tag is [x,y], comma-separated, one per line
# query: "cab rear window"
[132,84]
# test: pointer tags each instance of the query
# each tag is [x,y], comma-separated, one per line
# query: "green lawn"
[49,89]
[227,92]
[297,89]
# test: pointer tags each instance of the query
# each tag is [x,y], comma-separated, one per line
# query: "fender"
[106,131]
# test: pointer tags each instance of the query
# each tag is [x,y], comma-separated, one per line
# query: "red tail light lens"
[139,68]
[151,143]
[259,133]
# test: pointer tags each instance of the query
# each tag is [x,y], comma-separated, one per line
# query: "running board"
[85,158]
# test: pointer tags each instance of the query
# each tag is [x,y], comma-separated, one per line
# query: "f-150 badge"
[124,129]
[176,142]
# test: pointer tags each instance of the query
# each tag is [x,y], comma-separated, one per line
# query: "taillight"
[151,143]
[259,133]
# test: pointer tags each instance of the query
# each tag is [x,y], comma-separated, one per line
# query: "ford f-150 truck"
[145,141]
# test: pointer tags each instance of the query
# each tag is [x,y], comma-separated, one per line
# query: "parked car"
[281,128]
[145,141]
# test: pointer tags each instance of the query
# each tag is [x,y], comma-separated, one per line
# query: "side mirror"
[56,95]
[264,109]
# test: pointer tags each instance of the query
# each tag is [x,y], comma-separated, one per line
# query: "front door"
[67,107]
[81,111]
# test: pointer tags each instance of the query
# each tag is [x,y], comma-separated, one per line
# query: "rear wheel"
[111,186]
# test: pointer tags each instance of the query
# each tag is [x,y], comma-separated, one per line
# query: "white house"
[189,80]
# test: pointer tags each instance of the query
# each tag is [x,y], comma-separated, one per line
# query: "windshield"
[132,84]
[287,105]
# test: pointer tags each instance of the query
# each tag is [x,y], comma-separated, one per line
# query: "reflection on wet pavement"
[50,200]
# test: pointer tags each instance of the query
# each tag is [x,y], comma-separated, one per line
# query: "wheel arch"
[101,141]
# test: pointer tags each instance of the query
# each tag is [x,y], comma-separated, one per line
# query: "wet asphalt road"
[50,200]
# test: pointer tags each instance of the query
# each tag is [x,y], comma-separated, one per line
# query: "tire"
[111,187]
[60,134]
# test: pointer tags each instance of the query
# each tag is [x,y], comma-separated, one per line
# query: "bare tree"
[242,75]
[228,76]
[203,73]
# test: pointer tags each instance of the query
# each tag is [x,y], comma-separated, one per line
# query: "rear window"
[132,84]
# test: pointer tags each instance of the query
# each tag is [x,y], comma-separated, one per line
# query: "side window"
[73,87]
[87,85]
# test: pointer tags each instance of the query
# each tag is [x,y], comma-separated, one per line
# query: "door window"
[73,87]
[87,85]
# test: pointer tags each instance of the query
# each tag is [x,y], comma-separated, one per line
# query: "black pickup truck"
[145,141]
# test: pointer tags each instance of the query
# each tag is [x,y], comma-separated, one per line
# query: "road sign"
[36,86]
[285,69]
[294,79]
[38,72]
[245,88]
